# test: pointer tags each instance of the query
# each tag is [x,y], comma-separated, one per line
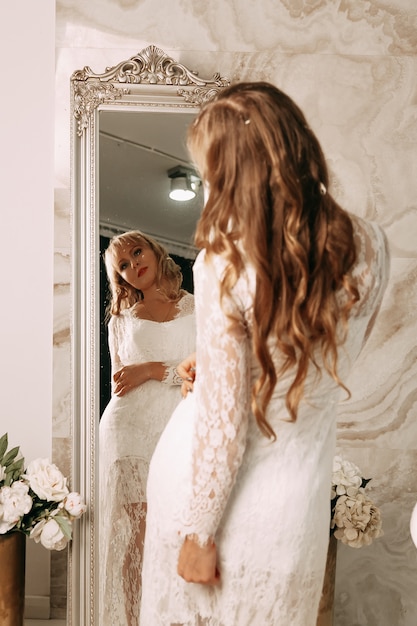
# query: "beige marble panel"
[383,409]
[62,222]
[61,393]
[305,26]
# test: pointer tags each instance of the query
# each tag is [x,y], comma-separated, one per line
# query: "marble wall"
[352,68]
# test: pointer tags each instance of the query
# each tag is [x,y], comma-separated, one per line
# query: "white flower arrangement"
[36,502]
[355,519]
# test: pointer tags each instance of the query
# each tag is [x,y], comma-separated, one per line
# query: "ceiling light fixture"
[184,183]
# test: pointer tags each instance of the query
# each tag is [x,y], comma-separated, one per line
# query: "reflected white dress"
[129,431]
[213,473]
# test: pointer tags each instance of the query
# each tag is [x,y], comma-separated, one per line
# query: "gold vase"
[12,578]
[326,608]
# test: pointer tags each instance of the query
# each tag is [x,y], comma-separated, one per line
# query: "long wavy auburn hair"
[268,205]
[122,294]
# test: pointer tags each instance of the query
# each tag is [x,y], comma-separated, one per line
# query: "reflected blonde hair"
[268,205]
[122,294]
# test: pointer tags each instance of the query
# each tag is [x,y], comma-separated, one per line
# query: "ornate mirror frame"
[148,81]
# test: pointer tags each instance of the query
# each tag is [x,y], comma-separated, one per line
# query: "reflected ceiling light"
[184,183]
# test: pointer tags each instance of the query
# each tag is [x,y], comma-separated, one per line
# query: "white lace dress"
[129,430]
[267,503]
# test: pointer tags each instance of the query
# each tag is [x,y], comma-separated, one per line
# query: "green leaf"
[13,472]
[10,456]
[17,466]
[65,525]
[8,479]
[3,447]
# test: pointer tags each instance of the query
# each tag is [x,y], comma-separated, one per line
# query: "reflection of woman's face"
[137,265]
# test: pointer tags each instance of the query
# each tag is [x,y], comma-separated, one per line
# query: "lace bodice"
[226,369]
[129,343]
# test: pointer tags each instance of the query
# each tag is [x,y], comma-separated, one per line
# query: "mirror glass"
[128,129]
[137,153]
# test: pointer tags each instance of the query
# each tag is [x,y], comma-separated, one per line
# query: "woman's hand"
[186,369]
[132,376]
[197,564]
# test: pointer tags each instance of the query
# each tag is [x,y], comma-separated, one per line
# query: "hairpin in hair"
[323,189]
[247,121]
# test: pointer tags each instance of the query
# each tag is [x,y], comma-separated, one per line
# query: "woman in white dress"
[151,329]
[287,287]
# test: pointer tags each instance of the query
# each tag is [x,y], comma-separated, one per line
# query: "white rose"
[49,533]
[74,504]
[346,478]
[5,526]
[35,533]
[14,504]
[46,480]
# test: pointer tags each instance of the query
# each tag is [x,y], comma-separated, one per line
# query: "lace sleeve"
[171,376]
[113,334]
[222,392]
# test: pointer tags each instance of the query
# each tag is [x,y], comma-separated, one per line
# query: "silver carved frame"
[150,80]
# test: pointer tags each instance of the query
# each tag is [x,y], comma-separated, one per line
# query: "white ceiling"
[136,150]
